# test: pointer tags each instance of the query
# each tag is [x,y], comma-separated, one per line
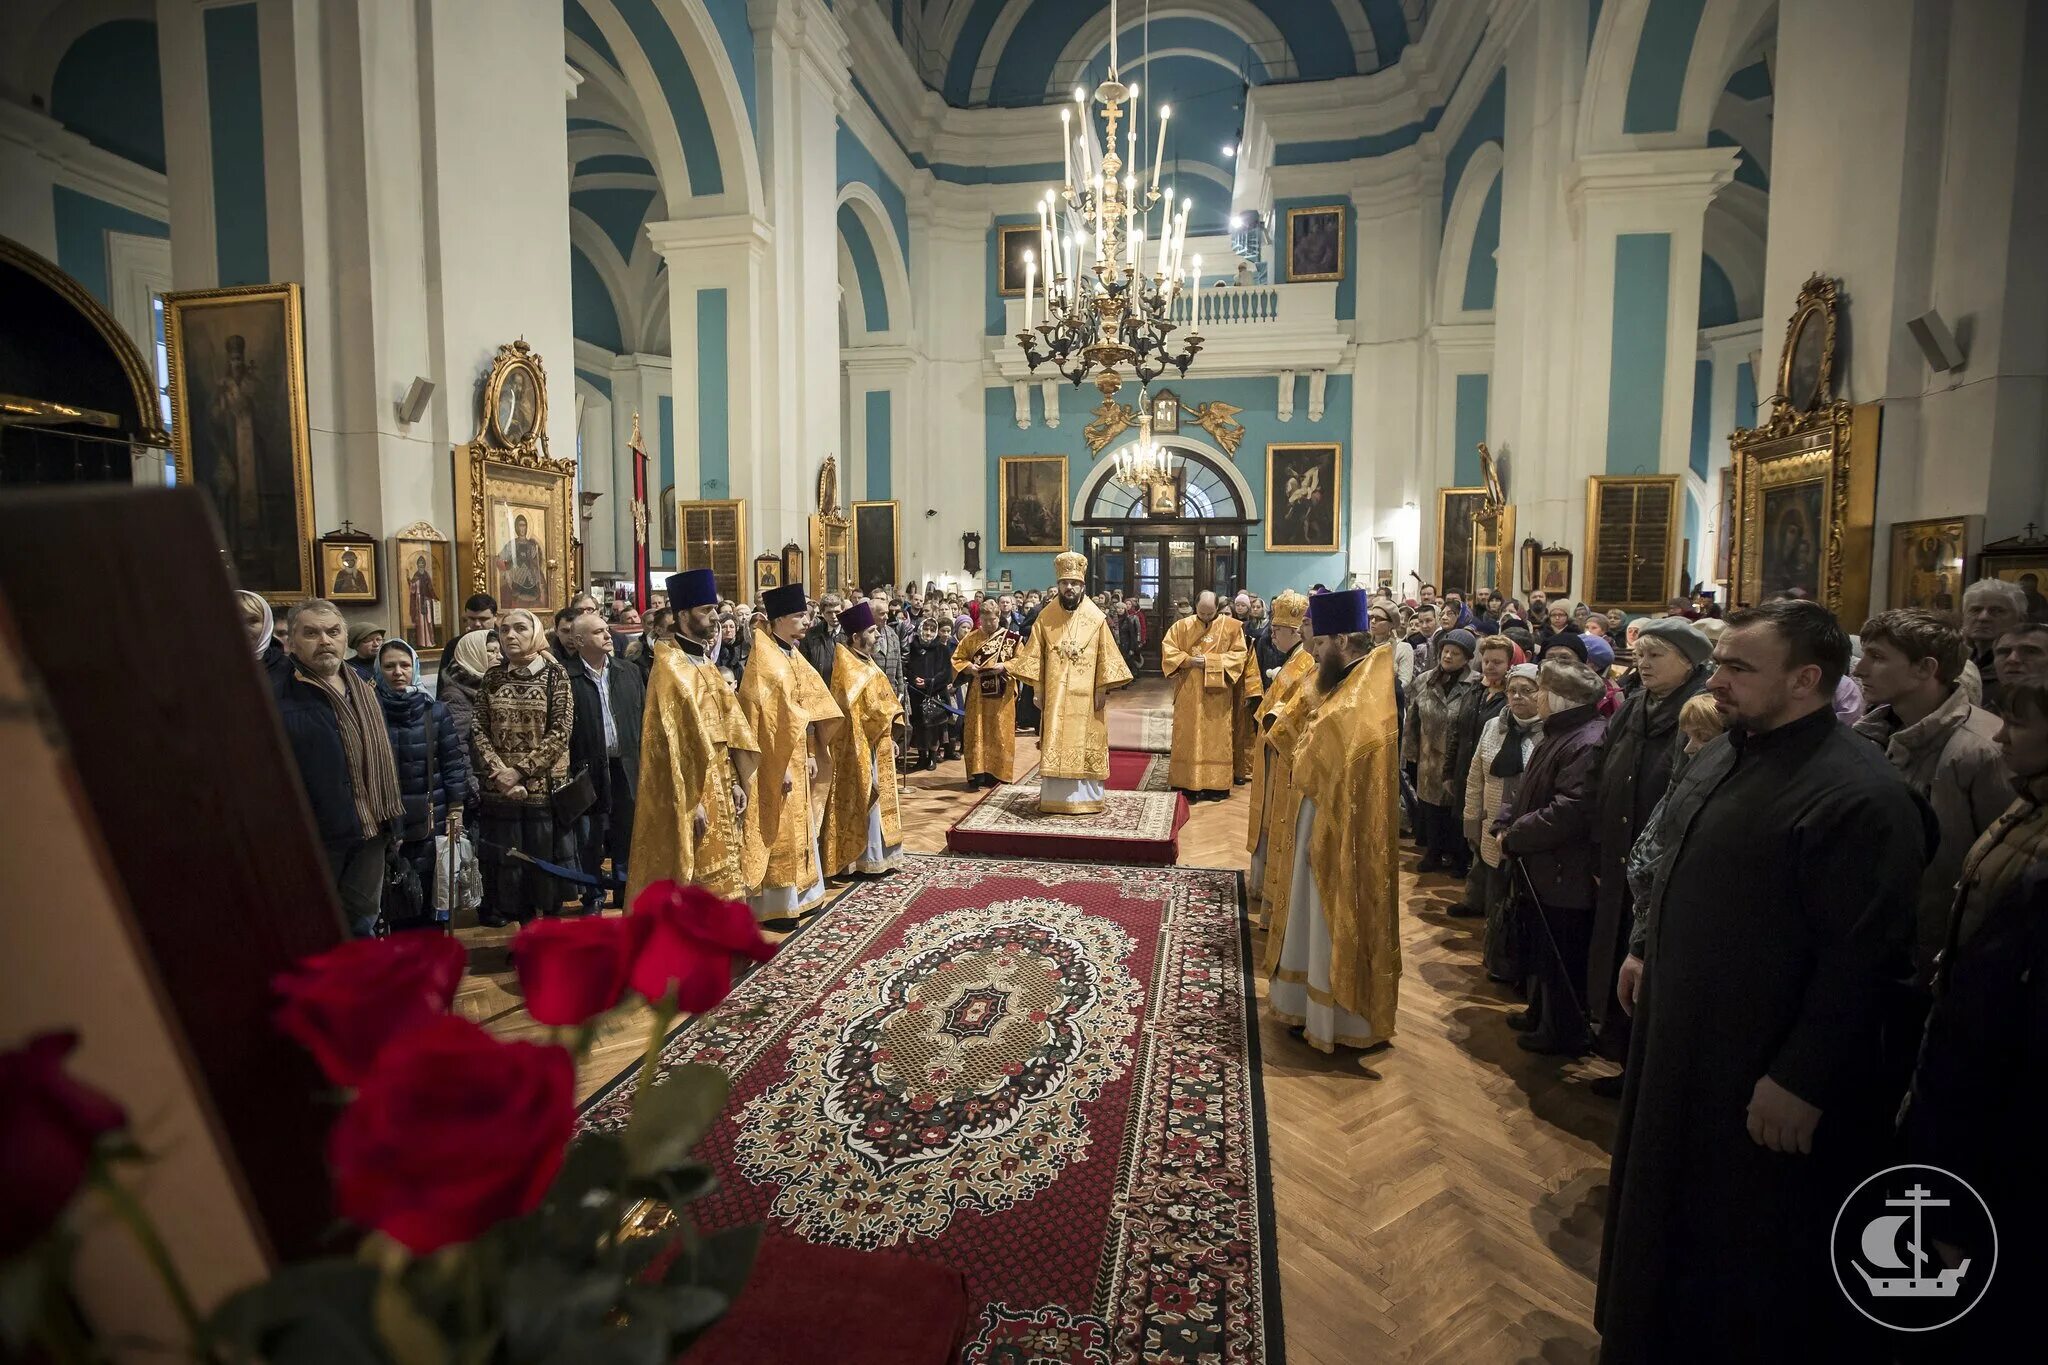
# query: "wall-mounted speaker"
[1937,343]
[414,404]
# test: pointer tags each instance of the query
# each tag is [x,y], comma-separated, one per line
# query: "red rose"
[686,942]
[343,1006]
[572,970]
[453,1133]
[48,1125]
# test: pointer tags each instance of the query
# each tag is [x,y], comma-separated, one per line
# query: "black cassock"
[1781,920]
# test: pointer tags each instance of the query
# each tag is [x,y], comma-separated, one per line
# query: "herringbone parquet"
[1444,1206]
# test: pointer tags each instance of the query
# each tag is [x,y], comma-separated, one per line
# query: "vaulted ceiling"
[1014,52]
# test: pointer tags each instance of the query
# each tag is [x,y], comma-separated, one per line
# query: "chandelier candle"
[1102,310]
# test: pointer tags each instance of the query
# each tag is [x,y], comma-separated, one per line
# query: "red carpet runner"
[1053,1089]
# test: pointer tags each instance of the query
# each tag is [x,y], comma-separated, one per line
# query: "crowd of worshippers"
[1794,880]
[524,734]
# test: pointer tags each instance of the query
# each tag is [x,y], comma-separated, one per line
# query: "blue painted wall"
[594,318]
[619,212]
[234,97]
[730,18]
[1469,429]
[108,89]
[881,458]
[1702,415]
[1658,77]
[857,164]
[993,313]
[1482,271]
[1488,123]
[714,444]
[601,382]
[1347,288]
[1717,296]
[867,270]
[83,223]
[1268,572]
[1635,394]
[1745,395]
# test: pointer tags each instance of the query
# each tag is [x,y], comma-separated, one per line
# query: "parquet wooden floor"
[1444,1206]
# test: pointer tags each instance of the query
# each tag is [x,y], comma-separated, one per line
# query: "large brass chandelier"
[1106,294]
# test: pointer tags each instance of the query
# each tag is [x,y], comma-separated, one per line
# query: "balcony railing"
[1251,329]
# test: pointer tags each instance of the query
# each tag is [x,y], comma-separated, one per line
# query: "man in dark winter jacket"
[336,732]
[820,644]
[604,740]
[431,753]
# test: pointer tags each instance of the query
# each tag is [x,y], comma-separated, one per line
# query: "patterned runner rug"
[1053,1088]
[1131,827]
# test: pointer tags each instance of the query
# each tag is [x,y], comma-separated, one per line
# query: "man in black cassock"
[1756,1098]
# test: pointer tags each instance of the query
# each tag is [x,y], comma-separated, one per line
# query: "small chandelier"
[1143,462]
[1107,300]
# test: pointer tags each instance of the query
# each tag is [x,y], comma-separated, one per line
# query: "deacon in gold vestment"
[1339,970]
[697,761]
[1272,762]
[863,818]
[794,717]
[1072,659]
[990,740]
[1206,657]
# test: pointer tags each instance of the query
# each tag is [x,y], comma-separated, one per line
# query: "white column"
[945,469]
[188,142]
[732,252]
[1938,208]
[1613,195]
[1397,212]
[800,55]
[1536,306]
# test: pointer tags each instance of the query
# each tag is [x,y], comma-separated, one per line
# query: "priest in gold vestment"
[1273,786]
[1072,660]
[1206,656]
[697,761]
[1251,686]
[795,719]
[1339,969]
[863,817]
[990,739]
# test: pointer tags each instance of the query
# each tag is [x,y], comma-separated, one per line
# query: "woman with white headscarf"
[260,625]
[519,734]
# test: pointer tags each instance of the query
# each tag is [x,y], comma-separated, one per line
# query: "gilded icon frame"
[1057,533]
[1333,463]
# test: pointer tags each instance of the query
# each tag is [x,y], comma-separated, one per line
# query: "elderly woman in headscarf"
[432,755]
[1505,742]
[463,666]
[260,624]
[520,737]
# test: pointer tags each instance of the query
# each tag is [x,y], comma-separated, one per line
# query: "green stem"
[59,1333]
[664,1015]
[143,1230]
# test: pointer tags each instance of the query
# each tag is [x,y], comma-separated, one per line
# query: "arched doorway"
[1167,544]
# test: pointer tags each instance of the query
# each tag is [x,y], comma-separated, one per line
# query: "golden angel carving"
[1112,419]
[1219,419]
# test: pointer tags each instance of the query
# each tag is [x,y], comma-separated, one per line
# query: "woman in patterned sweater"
[520,734]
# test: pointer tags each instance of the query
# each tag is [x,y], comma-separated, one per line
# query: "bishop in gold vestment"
[990,740]
[1205,655]
[1072,659]
[1339,969]
[1273,788]
[793,717]
[863,817]
[697,762]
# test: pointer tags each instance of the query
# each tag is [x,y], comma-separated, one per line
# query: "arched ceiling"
[1012,52]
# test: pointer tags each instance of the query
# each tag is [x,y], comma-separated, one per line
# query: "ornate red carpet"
[1046,1078]
[1139,821]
